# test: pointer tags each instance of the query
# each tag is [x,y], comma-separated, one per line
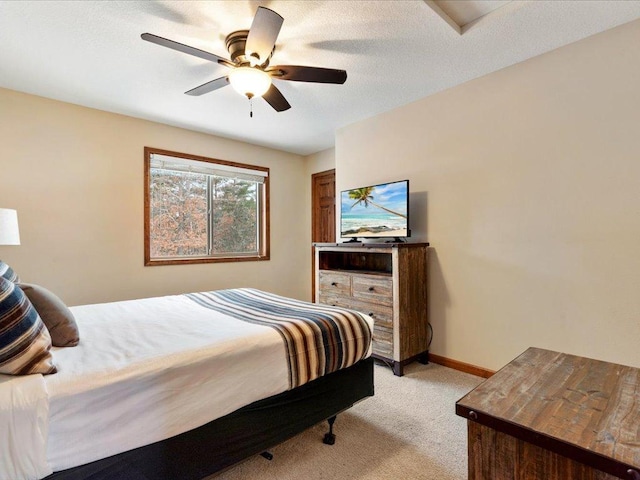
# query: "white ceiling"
[395,52]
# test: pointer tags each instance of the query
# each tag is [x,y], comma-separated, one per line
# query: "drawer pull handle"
[371,289]
[334,284]
[473,415]
[633,474]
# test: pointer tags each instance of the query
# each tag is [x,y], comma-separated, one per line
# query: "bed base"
[249,431]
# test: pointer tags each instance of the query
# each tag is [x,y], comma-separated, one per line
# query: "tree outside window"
[200,210]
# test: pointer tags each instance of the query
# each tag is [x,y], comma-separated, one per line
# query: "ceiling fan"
[250,52]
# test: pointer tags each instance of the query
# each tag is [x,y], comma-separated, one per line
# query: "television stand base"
[396,240]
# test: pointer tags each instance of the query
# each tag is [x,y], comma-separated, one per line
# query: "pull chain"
[250,97]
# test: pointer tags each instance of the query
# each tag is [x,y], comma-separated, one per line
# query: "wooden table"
[548,415]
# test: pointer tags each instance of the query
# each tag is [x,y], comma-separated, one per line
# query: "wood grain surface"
[497,456]
[584,409]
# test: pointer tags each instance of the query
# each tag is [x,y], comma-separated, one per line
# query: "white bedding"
[154,368]
[23,427]
[145,370]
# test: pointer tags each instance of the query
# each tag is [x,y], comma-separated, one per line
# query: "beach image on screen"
[378,211]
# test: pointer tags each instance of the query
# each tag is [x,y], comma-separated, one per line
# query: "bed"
[183,386]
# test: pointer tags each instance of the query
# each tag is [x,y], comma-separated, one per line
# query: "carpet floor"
[407,431]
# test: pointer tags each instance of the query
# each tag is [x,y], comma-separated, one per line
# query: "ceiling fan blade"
[275,98]
[262,35]
[209,86]
[180,47]
[298,73]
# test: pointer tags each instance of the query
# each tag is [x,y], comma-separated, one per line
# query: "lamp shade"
[249,81]
[9,233]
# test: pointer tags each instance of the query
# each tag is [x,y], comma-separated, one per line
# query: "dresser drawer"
[332,283]
[381,315]
[383,341]
[335,300]
[373,288]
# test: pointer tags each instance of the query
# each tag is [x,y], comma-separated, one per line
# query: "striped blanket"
[319,339]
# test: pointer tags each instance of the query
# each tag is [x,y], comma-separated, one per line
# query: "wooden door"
[323,214]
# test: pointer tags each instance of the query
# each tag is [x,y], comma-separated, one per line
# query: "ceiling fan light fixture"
[249,81]
[251,51]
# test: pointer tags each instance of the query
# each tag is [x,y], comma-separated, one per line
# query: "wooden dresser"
[387,282]
[552,416]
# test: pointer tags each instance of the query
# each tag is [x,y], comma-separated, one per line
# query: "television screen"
[375,211]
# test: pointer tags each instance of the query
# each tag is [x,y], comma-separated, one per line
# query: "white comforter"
[144,371]
[24,410]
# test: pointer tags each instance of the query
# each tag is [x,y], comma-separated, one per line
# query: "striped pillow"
[25,343]
[7,272]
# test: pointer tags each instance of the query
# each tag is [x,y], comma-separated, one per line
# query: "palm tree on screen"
[363,196]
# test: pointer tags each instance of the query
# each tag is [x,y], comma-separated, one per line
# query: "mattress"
[146,370]
[149,369]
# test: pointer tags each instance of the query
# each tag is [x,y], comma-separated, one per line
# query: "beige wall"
[321,161]
[527,184]
[75,175]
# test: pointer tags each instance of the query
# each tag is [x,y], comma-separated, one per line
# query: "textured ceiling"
[395,52]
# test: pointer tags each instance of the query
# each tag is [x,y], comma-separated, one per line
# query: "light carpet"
[408,430]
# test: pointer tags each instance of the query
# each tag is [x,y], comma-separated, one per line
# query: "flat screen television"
[377,211]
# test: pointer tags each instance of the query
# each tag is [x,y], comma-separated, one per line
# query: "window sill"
[195,260]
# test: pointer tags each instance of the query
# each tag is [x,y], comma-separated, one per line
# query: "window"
[200,210]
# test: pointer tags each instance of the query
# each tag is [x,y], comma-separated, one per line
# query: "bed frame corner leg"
[330,438]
